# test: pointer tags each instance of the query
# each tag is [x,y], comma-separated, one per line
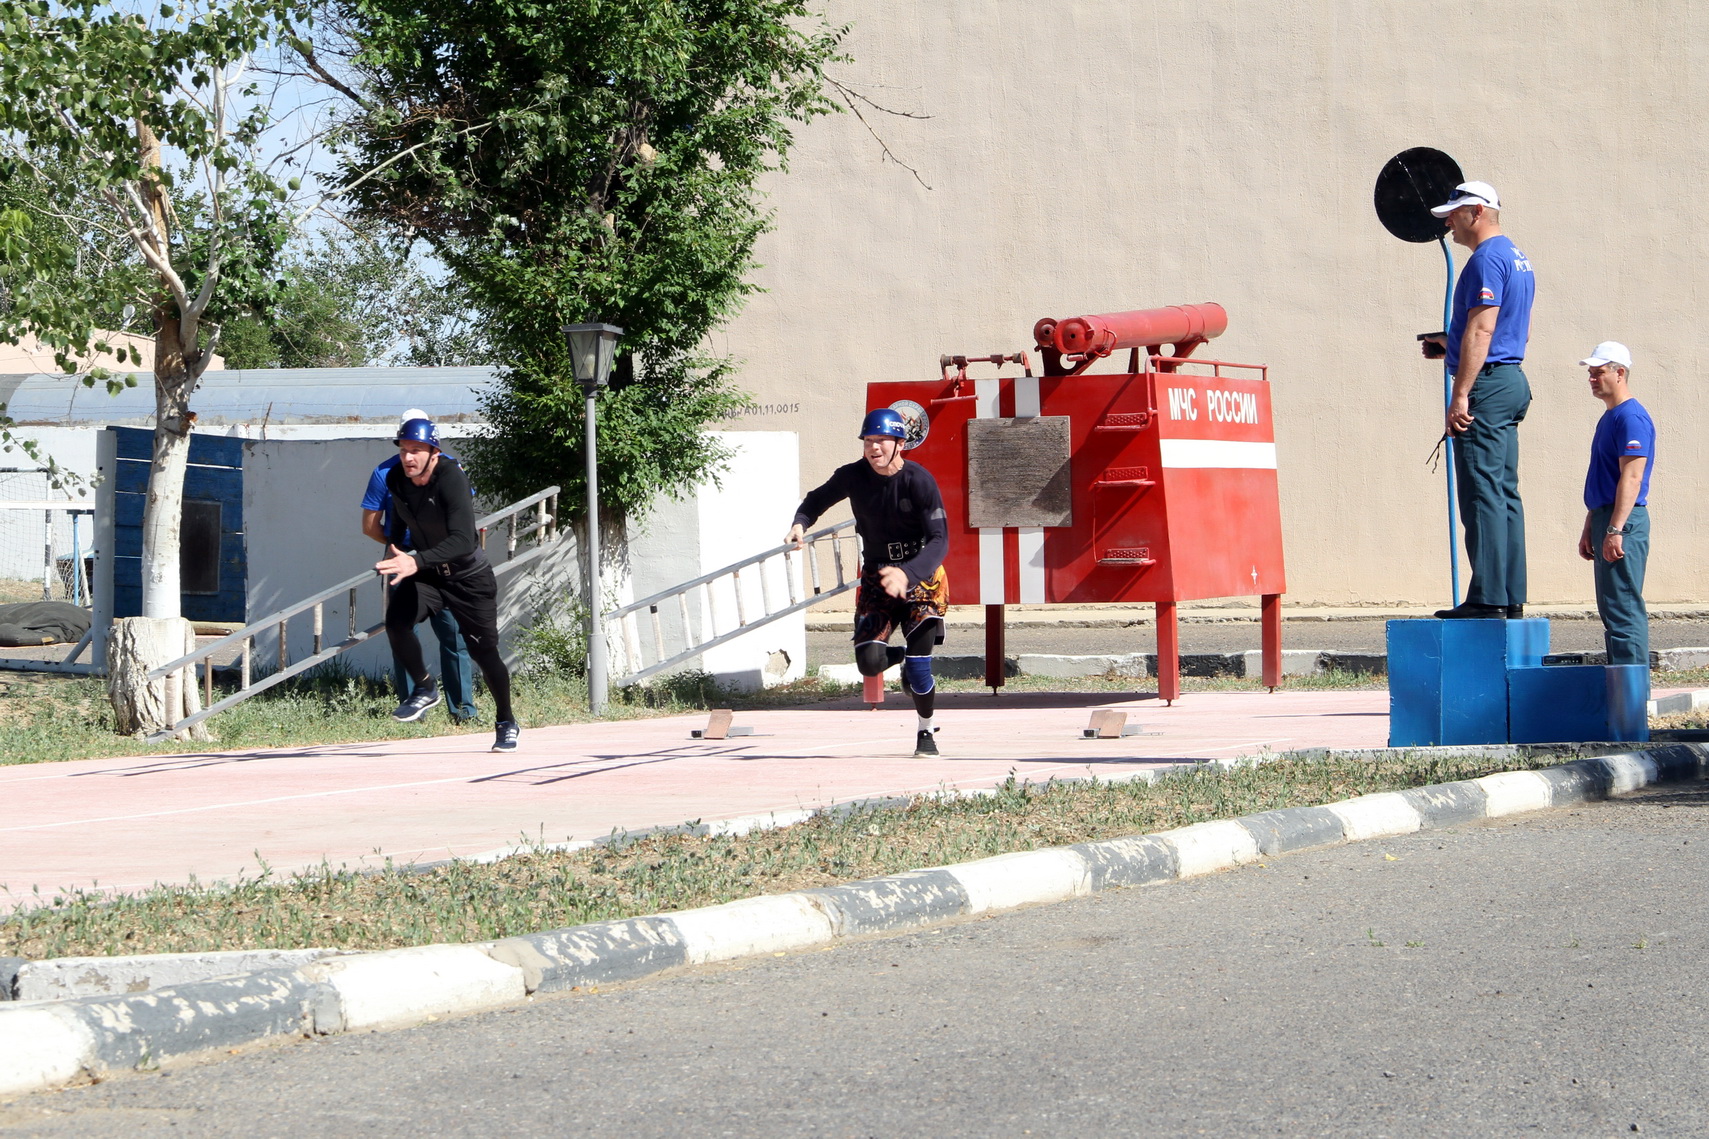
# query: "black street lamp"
[591,349]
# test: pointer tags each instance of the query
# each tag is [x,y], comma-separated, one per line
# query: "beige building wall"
[1102,155]
[30,355]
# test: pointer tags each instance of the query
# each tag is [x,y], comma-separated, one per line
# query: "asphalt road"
[1354,636]
[1540,976]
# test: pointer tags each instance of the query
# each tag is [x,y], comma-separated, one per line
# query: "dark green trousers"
[1620,588]
[1486,465]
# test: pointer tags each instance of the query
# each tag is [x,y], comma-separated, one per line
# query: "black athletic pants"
[874,657]
[474,602]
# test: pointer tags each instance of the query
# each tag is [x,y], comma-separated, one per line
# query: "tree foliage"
[350,298]
[154,120]
[575,161]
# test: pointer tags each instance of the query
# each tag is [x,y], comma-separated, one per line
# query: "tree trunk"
[163,510]
[142,706]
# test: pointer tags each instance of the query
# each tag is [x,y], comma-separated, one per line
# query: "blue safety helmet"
[884,421]
[418,431]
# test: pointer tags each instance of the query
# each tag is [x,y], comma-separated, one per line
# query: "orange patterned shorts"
[877,614]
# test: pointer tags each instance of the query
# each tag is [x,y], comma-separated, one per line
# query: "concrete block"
[602,953]
[9,967]
[898,901]
[1626,773]
[395,988]
[1678,761]
[753,925]
[1137,861]
[968,666]
[849,674]
[138,1030]
[1377,816]
[1514,792]
[41,1047]
[1295,662]
[1678,660]
[1447,804]
[1046,664]
[1205,848]
[1209,664]
[1294,828]
[1022,879]
[1364,664]
[64,977]
[1680,702]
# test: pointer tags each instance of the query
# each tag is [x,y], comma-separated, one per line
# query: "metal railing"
[544,509]
[802,570]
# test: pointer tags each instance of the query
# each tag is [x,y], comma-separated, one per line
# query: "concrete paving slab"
[125,824]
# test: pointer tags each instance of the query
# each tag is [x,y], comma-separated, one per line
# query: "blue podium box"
[1579,703]
[1448,679]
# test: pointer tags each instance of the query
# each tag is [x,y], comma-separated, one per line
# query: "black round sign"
[1411,183]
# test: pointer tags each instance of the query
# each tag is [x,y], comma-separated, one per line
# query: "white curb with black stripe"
[50,1043]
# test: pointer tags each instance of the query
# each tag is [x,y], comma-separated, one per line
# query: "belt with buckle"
[902,551]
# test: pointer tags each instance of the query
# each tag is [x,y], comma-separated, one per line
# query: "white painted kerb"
[400,987]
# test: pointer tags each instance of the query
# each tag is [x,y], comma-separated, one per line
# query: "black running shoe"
[505,738]
[925,745]
[417,706]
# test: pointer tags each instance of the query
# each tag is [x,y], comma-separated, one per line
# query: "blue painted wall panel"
[205,450]
[1447,682]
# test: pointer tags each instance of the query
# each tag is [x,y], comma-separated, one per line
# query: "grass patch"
[45,718]
[544,889]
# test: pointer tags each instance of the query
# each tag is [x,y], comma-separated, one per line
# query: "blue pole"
[1448,448]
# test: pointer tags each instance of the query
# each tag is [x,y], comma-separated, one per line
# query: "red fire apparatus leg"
[1270,614]
[1168,653]
[994,648]
[872,691]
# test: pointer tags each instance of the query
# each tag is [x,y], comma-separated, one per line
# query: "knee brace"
[917,674]
[872,658]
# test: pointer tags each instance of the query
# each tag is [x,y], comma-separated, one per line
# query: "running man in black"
[448,570]
[904,536]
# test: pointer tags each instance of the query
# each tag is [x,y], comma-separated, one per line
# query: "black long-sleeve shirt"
[903,507]
[439,516]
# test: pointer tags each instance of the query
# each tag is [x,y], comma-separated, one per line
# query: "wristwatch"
[1626,529]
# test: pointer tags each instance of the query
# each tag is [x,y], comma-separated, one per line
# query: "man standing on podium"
[1485,345]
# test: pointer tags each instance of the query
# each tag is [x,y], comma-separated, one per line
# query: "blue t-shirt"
[1624,431]
[1495,274]
[379,498]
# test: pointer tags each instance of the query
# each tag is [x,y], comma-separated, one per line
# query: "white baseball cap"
[1608,352]
[412,413]
[1469,194]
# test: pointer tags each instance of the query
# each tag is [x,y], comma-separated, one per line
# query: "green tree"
[349,297]
[157,120]
[574,161]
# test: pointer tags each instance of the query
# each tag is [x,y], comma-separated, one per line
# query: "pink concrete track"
[124,824]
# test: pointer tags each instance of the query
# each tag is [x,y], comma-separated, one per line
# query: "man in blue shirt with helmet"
[904,534]
[1485,344]
[1616,535]
[456,672]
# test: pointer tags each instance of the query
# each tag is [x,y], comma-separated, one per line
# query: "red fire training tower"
[1157,483]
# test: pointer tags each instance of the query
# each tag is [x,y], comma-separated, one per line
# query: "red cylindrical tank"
[1100,335]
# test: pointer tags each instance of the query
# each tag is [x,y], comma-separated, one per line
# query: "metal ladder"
[541,508]
[802,570]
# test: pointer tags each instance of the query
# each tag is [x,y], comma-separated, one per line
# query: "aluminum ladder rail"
[542,508]
[801,571]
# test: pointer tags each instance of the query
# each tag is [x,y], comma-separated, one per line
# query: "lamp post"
[591,349]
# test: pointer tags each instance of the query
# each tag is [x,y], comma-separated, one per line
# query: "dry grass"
[545,889]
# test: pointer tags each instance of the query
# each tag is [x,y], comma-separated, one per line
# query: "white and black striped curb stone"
[46,1044]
